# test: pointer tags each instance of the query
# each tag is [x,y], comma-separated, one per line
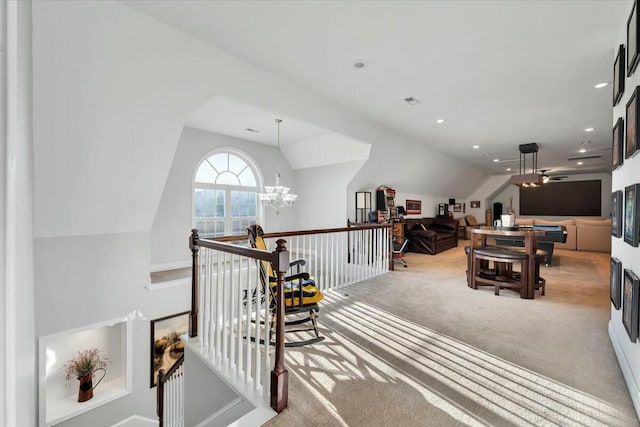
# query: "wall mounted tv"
[568,198]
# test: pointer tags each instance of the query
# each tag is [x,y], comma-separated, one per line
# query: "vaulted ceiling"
[499,73]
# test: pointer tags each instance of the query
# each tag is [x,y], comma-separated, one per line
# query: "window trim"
[226,187]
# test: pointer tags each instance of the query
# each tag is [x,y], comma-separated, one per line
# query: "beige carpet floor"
[417,347]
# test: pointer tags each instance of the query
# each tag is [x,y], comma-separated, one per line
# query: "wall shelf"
[58,402]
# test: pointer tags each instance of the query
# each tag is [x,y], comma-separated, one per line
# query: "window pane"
[236,164]
[208,203]
[220,162]
[247,179]
[227,178]
[206,174]
[239,226]
[243,204]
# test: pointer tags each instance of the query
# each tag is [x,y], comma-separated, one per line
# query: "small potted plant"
[82,366]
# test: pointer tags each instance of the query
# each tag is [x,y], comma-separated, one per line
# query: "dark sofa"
[438,234]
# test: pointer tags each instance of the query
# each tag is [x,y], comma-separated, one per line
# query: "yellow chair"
[300,292]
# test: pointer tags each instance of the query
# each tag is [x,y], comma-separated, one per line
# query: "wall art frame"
[616,213]
[631,206]
[413,207]
[617,146]
[618,75]
[630,304]
[475,204]
[631,125]
[166,346]
[632,40]
[615,293]
[457,207]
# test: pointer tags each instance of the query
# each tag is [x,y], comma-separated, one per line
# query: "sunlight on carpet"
[369,352]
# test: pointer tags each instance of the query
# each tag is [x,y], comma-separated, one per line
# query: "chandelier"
[277,196]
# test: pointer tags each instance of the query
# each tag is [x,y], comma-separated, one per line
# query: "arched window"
[225,194]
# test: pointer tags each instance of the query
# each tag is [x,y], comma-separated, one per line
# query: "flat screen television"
[565,198]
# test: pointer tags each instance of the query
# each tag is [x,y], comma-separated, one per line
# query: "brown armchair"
[472,223]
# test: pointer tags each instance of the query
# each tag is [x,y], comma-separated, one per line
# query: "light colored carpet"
[417,347]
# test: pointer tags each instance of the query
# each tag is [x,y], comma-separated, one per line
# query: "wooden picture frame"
[413,207]
[617,148]
[616,213]
[631,207]
[632,40]
[631,125]
[166,346]
[615,286]
[475,204]
[618,75]
[631,288]
[457,207]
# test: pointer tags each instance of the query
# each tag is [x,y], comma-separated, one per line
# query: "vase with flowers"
[83,366]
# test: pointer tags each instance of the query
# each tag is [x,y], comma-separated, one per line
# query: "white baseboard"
[136,421]
[625,367]
[170,266]
[211,418]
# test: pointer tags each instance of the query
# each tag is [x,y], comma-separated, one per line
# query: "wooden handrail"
[279,260]
[162,379]
[353,227]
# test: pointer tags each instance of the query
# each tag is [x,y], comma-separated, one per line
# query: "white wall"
[119,95]
[628,352]
[83,280]
[172,224]
[415,172]
[322,195]
[513,192]
[17,337]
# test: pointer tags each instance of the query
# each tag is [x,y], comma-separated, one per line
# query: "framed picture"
[631,145]
[631,214]
[166,346]
[618,75]
[616,281]
[414,207]
[457,207]
[618,144]
[632,40]
[616,213]
[631,289]
[475,203]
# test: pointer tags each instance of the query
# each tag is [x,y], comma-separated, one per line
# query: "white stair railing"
[231,314]
[170,395]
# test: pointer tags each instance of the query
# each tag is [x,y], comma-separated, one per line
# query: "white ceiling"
[303,144]
[500,73]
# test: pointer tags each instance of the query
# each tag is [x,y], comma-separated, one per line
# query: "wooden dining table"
[530,236]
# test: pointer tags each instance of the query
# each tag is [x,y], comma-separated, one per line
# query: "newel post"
[195,278]
[280,375]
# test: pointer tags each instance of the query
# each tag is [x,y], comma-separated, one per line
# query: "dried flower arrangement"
[84,363]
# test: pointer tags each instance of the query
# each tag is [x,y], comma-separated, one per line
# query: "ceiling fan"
[546,178]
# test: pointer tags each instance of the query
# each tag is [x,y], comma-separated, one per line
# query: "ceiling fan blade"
[559,178]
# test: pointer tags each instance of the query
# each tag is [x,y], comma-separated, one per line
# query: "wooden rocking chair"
[301,295]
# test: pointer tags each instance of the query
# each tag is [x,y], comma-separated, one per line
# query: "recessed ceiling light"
[359,65]
[582,150]
[475,147]
[496,160]
[600,85]
[252,130]
[579,163]
[589,129]
[412,101]
[508,169]
[440,121]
